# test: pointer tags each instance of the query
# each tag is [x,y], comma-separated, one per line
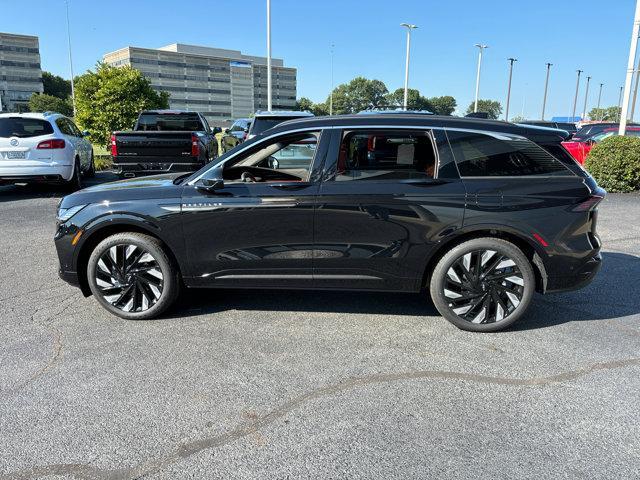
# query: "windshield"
[24,127]
[175,122]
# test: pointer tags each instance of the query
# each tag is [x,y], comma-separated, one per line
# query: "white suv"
[43,147]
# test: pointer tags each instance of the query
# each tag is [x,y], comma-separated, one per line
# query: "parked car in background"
[264,120]
[591,129]
[240,128]
[164,141]
[479,213]
[43,147]
[580,149]
[566,126]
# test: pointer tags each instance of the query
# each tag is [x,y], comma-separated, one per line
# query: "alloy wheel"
[483,286]
[129,278]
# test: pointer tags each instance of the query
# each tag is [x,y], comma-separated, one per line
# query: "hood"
[138,188]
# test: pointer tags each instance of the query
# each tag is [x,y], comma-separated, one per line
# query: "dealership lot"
[255,384]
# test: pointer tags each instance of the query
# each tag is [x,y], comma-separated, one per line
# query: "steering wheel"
[247,177]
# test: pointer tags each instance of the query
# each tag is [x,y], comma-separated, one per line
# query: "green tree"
[41,102]
[56,86]
[517,119]
[110,99]
[611,114]
[359,94]
[304,105]
[415,101]
[491,107]
[445,105]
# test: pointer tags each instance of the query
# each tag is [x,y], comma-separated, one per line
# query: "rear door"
[387,197]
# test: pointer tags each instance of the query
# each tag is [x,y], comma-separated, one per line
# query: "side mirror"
[210,184]
[85,133]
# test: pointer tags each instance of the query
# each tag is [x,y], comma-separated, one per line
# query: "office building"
[20,74]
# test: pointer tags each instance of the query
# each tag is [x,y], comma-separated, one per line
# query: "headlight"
[65,214]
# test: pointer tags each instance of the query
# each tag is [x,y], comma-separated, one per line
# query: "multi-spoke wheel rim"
[129,278]
[483,286]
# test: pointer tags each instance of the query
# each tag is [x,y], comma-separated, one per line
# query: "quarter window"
[378,155]
[64,126]
[480,155]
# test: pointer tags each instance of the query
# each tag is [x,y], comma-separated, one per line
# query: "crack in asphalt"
[187,449]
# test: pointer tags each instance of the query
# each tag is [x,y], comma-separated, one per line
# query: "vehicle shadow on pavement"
[611,295]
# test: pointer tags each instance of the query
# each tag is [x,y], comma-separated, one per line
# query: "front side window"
[482,155]
[378,155]
[286,158]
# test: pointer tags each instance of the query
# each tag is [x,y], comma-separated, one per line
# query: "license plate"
[15,155]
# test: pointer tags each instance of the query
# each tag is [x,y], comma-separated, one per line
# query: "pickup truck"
[164,141]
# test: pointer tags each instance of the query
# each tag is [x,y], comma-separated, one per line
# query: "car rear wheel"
[75,182]
[131,276]
[483,285]
[91,171]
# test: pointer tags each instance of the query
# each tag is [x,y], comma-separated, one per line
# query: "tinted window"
[24,127]
[261,124]
[64,126]
[176,122]
[239,125]
[385,155]
[479,155]
[569,127]
[75,130]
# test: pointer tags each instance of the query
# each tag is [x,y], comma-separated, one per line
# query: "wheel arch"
[104,230]
[531,250]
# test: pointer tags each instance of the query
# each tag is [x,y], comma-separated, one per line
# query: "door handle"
[290,186]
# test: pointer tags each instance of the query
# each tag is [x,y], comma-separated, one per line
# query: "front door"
[387,198]
[257,231]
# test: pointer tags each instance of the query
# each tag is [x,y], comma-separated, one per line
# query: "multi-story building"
[20,74]
[221,84]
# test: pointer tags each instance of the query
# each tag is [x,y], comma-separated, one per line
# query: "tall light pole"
[73,89]
[481,48]
[635,91]
[409,27]
[269,86]
[575,99]
[586,96]
[546,87]
[599,98]
[619,104]
[511,60]
[331,94]
[630,64]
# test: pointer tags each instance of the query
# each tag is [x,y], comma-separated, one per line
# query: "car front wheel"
[483,285]
[132,276]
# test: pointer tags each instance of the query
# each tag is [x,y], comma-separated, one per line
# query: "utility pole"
[635,91]
[619,104]
[599,98]
[546,87]
[481,47]
[331,94]
[511,60]
[575,99]
[269,86]
[630,66]
[586,96]
[409,27]
[73,89]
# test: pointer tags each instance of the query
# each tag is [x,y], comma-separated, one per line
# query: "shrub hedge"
[615,163]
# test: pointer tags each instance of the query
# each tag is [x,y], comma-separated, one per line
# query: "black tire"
[137,280]
[75,182]
[91,171]
[463,277]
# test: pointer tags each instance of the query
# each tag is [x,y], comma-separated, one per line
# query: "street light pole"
[600,98]
[575,99]
[546,86]
[630,65]
[586,96]
[511,60]
[635,91]
[73,89]
[619,104]
[269,86]
[331,94]
[481,47]
[409,27]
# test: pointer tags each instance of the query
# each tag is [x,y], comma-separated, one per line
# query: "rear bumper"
[35,174]
[579,279]
[154,166]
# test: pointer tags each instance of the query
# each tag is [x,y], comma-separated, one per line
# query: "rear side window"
[480,155]
[385,155]
[24,127]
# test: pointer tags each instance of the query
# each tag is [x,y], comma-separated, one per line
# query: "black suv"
[481,213]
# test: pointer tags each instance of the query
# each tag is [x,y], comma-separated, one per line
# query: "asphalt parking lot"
[238,384]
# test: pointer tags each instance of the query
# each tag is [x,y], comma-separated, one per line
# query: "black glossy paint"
[352,234]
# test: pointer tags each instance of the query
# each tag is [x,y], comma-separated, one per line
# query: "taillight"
[588,204]
[50,144]
[114,146]
[195,145]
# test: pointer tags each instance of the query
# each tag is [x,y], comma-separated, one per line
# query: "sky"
[368,41]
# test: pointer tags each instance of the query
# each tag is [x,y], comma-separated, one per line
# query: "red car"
[580,150]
